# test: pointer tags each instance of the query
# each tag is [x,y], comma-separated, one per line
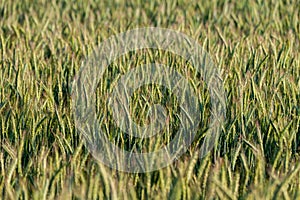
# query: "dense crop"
[255,44]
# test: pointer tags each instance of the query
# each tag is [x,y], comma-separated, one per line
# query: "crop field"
[255,46]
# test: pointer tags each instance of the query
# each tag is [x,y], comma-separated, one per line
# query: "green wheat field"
[255,45]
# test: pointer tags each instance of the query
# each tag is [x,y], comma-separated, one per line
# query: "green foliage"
[254,43]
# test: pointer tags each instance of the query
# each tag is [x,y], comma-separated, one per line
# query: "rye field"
[254,44]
